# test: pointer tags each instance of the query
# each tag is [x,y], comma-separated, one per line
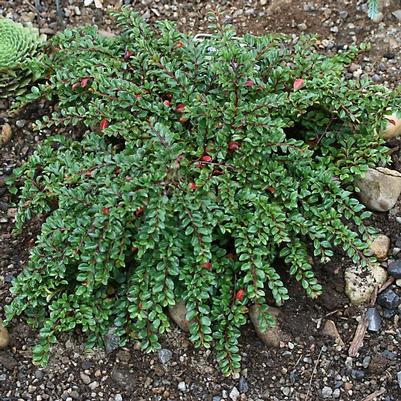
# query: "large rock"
[380,246]
[393,126]
[273,335]
[4,337]
[360,283]
[379,188]
[178,314]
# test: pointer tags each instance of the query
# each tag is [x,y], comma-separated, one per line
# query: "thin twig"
[358,337]
[386,284]
[313,374]
[372,396]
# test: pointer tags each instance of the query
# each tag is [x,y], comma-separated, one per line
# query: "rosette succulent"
[18,46]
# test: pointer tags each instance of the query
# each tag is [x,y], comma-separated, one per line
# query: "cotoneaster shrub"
[205,168]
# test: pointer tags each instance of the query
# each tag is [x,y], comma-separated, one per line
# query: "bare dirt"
[302,369]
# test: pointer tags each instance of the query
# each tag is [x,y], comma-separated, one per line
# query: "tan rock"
[360,283]
[4,337]
[393,126]
[330,330]
[379,188]
[178,315]
[6,134]
[380,246]
[273,335]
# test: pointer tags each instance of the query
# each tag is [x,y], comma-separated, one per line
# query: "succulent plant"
[18,46]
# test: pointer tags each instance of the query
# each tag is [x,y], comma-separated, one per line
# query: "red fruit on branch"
[138,95]
[233,146]
[168,96]
[179,45]
[249,83]
[180,108]
[207,266]
[167,103]
[103,124]
[206,158]
[271,190]
[200,165]
[84,82]
[75,86]
[106,211]
[298,83]
[183,120]
[239,296]
[192,186]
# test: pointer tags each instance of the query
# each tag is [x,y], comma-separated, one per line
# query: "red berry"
[84,82]
[106,211]
[103,124]
[88,173]
[139,212]
[183,120]
[233,146]
[206,158]
[167,103]
[75,86]
[207,266]
[134,249]
[271,190]
[179,45]
[168,96]
[249,83]
[298,83]
[239,296]
[138,95]
[218,172]
[192,186]
[200,165]
[180,108]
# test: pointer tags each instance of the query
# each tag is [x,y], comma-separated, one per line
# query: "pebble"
[394,269]
[182,386]
[118,397]
[164,355]
[243,385]
[399,379]
[327,392]
[357,373]
[388,299]
[336,393]
[234,394]
[366,361]
[94,385]
[85,378]
[343,14]
[397,14]
[374,320]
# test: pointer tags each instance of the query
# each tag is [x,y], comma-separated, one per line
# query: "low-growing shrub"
[204,167]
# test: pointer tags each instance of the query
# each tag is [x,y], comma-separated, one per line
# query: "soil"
[299,369]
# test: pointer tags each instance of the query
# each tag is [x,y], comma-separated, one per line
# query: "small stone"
[398,282]
[336,393]
[94,385]
[7,361]
[399,379]
[388,299]
[334,29]
[360,283]
[394,269]
[397,14]
[302,26]
[354,67]
[87,3]
[182,386]
[366,362]
[379,188]
[4,337]
[5,134]
[286,391]
[118,397]
[178,315]
[234,394]
[330,330]
[327,392]
[123,356]
[243,385]
[374,320]
[380,246]
[85,378]
[216,398]
[388,313]
[3,378]
[357,374]
[111,341]
[273,335]
[99,3]
[343,14]
[164,355]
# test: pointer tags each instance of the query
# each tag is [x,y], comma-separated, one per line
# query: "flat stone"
[85,378]
[330,330]
[379,188]
[178,315]
[394,269]
[327,392]
[388,299]
[399,379]
[397,14]
[4,337]
[234,394]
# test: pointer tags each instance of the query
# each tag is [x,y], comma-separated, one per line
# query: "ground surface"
[302,368]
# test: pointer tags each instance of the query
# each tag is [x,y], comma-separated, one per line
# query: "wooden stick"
[313,374]
[386,284]
[358,337]
[372,396]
